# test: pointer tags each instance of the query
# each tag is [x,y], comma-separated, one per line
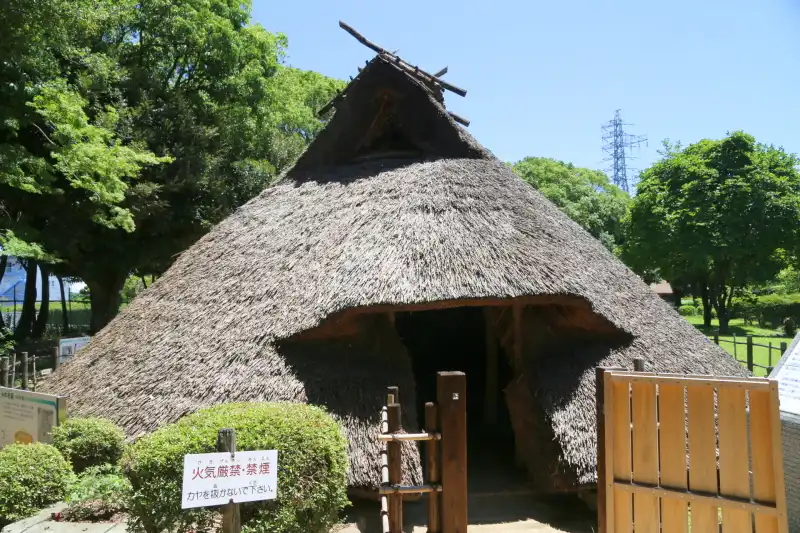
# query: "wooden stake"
[25,370]
[432,468]
[231,517]
[56,359]
[395,451]
[451,393]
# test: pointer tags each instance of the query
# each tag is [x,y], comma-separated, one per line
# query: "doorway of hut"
[455,339]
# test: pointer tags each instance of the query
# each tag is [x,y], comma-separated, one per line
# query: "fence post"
[750,353]
[716,339]
[56,359]
[24,370]
[4,374]
[394,449]
[432,466]
[783,349]
[231,518]
[451,399]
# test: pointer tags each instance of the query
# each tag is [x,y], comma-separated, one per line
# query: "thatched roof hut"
[396,246]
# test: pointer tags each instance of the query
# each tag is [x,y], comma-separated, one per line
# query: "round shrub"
[89,442]
[32,476]
[312,468]
[687,310]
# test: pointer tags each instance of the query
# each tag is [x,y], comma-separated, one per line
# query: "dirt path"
[491,514]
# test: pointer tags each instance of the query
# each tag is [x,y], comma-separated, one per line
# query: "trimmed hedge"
[87,442]
[689,310]
[312,468]
[770,310]
[32,476]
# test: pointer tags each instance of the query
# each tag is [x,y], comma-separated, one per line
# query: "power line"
[617,145]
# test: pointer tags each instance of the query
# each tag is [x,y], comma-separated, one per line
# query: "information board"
[68,347]
[787,372]
[27,416]
[217,478]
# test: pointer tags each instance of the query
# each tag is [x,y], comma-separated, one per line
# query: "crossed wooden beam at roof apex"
[429,79]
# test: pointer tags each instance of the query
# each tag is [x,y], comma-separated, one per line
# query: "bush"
[87,442]
[100,493]
[32,476]
[312,468]
[790,327]
[770,310]
[688,310]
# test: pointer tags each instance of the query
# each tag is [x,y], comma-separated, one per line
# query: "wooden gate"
[681,453]
[445,437]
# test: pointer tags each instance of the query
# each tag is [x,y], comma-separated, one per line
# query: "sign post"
[229,478]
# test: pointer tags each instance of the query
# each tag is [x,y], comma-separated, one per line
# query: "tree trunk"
[706,298]
[64,313]
[104,294]
[3,264]
[28,314]
[40,325]
[722,304]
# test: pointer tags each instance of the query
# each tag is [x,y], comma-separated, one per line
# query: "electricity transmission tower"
[617,144]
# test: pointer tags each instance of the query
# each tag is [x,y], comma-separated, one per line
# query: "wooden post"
[783,349]
[4,373]
[432,467]
[231,518]
[491,392]
[394,449]
[600,373]
[638,365]
[716,339]
[451,400]
[24,370]
[392,395]
[56,359]
[750,353]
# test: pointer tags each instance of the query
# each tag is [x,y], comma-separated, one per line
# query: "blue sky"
[542,77]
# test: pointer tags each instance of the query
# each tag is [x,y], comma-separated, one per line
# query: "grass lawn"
[761,336]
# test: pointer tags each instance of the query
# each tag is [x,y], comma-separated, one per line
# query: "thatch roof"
[450,223]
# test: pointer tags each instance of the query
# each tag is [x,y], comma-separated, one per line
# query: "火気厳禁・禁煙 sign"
[211,479]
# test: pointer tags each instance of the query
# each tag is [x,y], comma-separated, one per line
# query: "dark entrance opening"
[455,339]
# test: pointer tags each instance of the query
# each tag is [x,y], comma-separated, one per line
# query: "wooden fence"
[445,438]
[680,453]
[748,349]
[24,369]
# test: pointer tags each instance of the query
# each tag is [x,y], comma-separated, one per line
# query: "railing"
[445,481]
[25,368]
[749,347]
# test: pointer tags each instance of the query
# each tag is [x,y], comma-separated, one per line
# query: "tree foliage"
[586,196]
[129,128]
[717,216]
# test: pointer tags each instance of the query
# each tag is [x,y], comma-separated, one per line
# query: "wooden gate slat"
[645,455]
[762,455]
[623,508]
[702,457]
[734,476]
[672,452]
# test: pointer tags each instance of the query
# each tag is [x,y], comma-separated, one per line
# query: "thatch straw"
[452,224]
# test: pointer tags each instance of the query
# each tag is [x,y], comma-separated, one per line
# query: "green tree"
[193,82]
[718,215]
[586,196]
